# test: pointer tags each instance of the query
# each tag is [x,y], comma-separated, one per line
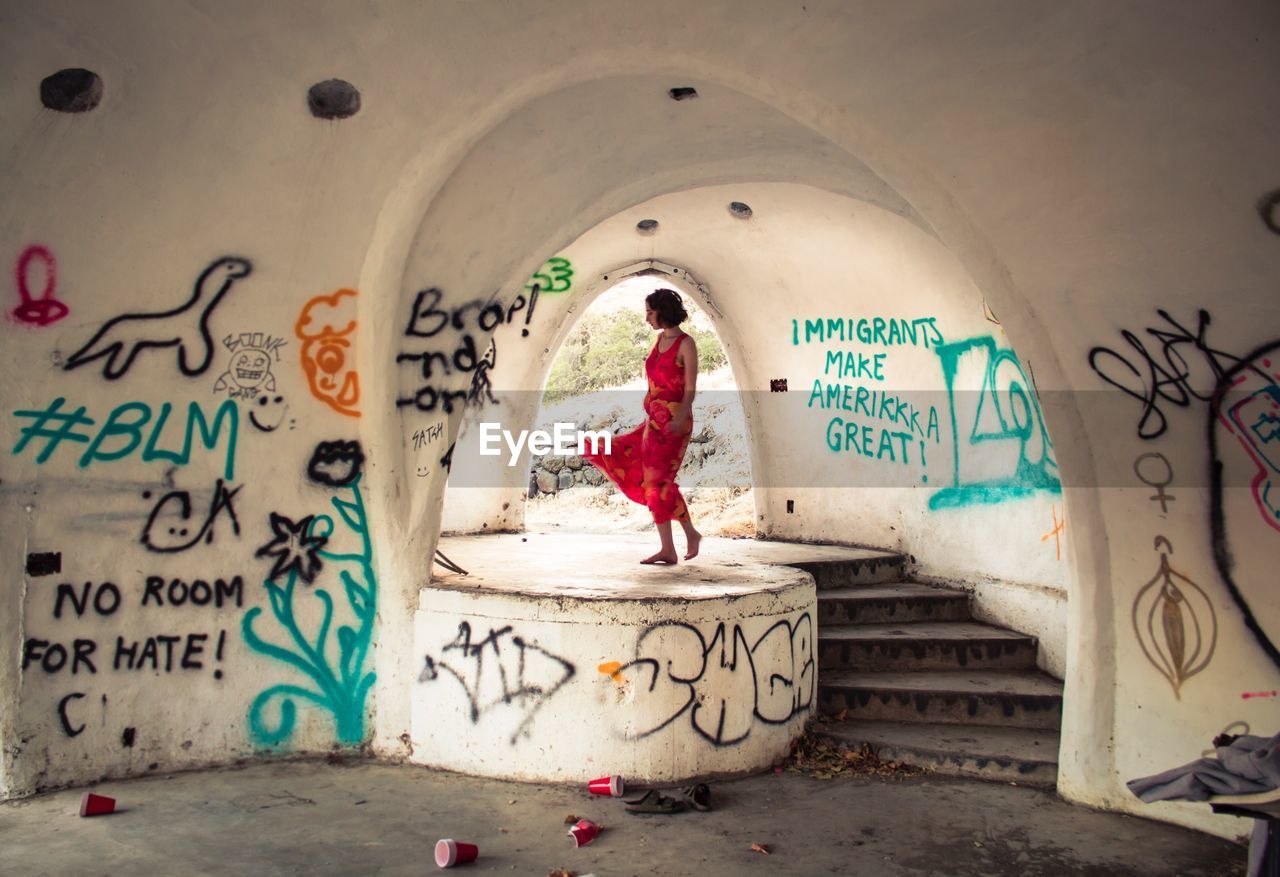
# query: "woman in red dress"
[644,462]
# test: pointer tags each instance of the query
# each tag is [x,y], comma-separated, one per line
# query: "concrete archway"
[782,150]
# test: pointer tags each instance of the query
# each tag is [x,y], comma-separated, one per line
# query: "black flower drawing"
[294,548]
[335,464]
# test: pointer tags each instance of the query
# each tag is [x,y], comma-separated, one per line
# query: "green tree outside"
[607,350]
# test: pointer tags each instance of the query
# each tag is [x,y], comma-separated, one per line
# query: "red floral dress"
[644,462]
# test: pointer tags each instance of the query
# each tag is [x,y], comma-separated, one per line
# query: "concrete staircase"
[921,682]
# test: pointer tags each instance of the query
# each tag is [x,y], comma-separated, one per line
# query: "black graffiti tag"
[453,349]
[516,672]
[1180,367]
[174,515]
[1250,592]
[778,669]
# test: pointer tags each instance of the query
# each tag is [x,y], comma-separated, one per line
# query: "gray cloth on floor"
[1249,765]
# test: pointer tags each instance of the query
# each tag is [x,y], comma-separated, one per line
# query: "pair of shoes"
[698,797]
[654,802]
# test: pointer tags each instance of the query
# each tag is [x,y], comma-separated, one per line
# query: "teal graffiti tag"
[123,433]
[1006,411]
[342,689]
[555,275]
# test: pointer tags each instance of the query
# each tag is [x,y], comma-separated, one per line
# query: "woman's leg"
[667,553]
[692,538]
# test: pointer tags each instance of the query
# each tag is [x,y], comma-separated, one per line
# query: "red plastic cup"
[451,852]
[96,805]
[583,832]
[611,786]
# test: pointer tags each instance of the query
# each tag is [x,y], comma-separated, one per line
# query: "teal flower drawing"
[334,670]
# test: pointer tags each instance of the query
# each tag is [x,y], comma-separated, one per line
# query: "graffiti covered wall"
[198,577]
[1193,401]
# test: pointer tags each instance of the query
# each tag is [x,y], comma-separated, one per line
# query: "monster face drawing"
[327,327]
[249,370]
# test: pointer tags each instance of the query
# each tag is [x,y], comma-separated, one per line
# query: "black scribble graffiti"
[67,727]
[447,460]
[481,387]
[336,464]
[173,513]
[452,350]
[1269,210]
[294,547]
[675,654]
[44,563]
[186,327]
[1246,413]
[1180,368]
[517,673]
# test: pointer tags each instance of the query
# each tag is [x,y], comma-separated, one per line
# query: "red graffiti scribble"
[46,309]
[1249,694]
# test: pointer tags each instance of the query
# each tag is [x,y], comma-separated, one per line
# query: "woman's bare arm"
[689,353]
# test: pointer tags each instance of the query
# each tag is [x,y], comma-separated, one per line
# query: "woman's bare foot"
[662,557]
[694,540]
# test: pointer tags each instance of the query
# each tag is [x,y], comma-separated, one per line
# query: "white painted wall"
[1084,166]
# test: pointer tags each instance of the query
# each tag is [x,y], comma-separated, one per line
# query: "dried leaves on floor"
[817,757]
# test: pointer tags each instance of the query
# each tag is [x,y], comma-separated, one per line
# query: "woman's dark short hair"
[667,305]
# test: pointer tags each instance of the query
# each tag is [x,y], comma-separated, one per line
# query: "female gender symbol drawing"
[46,309]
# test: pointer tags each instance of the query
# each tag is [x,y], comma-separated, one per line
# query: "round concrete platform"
[561,658]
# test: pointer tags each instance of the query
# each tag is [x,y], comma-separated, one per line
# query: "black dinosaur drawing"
[121,339]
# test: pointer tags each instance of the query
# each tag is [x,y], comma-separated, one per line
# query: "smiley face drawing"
[270,413]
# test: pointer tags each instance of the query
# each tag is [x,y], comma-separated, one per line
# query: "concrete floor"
[590,567]
[362,817]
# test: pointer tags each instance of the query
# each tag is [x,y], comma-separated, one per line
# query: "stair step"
[950,645]
[1021,755]
[1011,698]
[892,602]
[872,570]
